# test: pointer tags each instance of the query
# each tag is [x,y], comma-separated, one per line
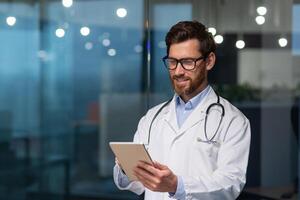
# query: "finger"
[145,175]
[116,161]
[160,166]
[145,162]
[147,167]
[148,184]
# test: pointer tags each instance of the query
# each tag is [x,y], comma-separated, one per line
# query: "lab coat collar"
[194,118]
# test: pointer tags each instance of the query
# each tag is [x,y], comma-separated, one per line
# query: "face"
[188,84]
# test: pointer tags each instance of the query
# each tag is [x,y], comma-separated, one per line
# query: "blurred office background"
[75,75]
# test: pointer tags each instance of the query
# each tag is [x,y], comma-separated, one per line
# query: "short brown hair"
[186,30]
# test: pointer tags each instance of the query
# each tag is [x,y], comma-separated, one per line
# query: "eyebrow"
[185,58]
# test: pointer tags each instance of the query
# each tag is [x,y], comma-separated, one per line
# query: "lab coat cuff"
[180,191]
[123,183]
[120,178]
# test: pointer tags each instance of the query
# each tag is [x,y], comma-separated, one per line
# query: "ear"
[210,61]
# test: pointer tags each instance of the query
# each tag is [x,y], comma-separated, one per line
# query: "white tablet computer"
[128,155]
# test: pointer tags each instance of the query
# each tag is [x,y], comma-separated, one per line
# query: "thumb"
[116,161]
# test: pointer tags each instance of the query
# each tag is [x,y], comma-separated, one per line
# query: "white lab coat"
[209,171]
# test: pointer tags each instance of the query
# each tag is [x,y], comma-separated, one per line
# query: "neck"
[186,97]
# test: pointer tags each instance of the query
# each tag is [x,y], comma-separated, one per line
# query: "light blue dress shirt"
[183,110]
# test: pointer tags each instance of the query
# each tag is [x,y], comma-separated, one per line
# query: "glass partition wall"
[75,75]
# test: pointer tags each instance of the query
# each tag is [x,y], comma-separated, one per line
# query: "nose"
[179,69]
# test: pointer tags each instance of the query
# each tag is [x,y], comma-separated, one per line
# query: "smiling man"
[187,79]
[199,141]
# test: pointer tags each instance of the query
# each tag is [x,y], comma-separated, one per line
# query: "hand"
[116,161]
[156,177]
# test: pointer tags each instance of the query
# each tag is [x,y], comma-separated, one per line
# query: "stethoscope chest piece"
[213,142]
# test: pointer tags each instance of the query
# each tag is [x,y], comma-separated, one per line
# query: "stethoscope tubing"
[211,140]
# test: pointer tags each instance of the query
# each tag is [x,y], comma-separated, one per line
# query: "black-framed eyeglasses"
[186,63]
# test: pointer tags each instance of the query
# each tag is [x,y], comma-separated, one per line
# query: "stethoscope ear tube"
[216,104]
[205,121]
[156,114]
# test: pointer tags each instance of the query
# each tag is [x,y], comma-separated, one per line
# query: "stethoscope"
[207,139]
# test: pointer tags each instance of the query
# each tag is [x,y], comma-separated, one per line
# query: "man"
[197,156]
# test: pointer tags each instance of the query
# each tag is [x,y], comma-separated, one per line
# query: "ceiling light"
[85,31]
[262,10]
[60,32]
[121,12]
[88,46]
[282,42]
[111,52]
[260,20]
[67,3]
[138,48]
[240,44]
[106,42]
[11,20]
[212,30]
[219,39]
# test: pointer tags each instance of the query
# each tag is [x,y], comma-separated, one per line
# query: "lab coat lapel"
[170,116]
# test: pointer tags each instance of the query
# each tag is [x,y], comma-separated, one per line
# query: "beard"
[190,88]
[182,89]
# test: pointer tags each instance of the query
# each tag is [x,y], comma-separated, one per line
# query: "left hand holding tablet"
[156,177]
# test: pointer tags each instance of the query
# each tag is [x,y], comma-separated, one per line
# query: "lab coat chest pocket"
[208,149]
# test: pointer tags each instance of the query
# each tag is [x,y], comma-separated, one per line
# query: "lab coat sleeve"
[120,179]
[122,182]
[228,180]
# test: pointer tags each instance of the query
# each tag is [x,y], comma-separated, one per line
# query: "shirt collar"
[193,102]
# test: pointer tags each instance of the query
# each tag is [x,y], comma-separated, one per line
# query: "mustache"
[180,77]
